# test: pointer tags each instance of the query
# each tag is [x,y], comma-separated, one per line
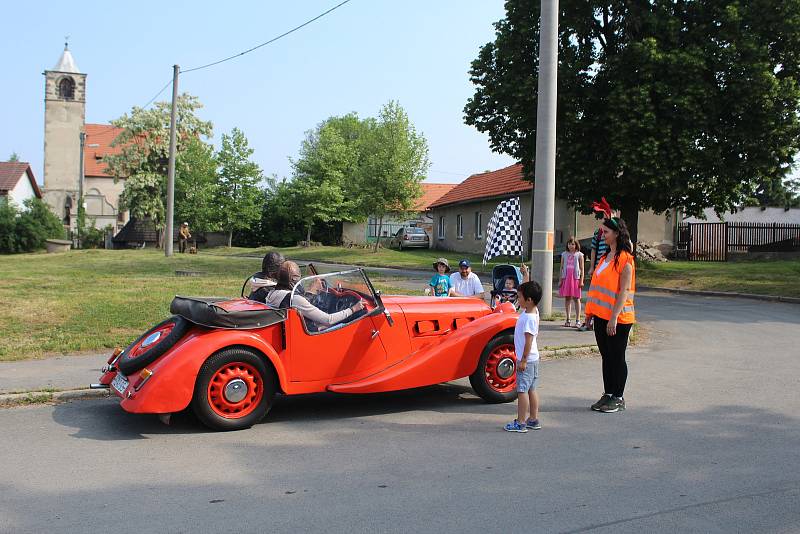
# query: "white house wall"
[22,191]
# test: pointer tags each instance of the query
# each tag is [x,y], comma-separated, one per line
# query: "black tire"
[400,245]
[480,380]
[209,401]
[136,357]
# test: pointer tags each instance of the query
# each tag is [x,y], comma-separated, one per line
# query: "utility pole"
[544,190]
[81,177]
[171,165]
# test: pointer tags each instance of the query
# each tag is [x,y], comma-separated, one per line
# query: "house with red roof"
[17,183]
[367,232]
[461,216]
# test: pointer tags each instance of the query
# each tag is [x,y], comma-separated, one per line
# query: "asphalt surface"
[709,443]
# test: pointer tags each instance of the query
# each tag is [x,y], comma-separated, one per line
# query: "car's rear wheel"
[151,345]
[234,390]
[495,379]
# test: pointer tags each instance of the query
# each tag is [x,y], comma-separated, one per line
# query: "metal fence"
[713,241]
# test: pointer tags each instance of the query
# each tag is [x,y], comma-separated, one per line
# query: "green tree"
[324,185]
[144,154]
[13,158]
[238,195]
[394,161]
[688,104]
[196,187]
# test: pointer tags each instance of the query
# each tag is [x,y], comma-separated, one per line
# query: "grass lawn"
[99,299]
[780,277]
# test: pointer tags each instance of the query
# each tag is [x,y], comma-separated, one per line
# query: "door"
[348,347]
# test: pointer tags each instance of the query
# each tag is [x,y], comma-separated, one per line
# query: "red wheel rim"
[227,408]
[493,376]
[140,348]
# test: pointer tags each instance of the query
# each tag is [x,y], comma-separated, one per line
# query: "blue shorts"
[529,378]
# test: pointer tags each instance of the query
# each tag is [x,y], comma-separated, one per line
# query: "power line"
[157,94]
[306,23]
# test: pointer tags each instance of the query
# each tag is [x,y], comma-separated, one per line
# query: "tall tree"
[144,154]
[394,161]
[13,158]
[324,186]
[681,103]
[238,195]
[196,187]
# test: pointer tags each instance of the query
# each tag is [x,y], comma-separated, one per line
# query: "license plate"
[417,238]
[120,383]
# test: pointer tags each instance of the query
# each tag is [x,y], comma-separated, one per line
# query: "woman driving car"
[288,276]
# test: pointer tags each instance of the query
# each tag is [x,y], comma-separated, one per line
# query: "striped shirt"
[599,246]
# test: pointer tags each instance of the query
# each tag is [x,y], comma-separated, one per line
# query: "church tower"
[64,118]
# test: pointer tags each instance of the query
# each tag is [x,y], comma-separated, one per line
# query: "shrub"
[95,237]
[27,230]
[8,219]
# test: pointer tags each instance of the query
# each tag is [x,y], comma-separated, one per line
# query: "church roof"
[66,63]
[98,145]
[10,174]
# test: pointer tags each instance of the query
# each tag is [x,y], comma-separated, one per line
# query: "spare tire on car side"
[151,345]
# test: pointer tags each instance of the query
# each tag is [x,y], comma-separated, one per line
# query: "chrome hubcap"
[506,368]
[152,338]
[235,390]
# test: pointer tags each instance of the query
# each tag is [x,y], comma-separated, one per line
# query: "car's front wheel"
[495,379]
[234,390]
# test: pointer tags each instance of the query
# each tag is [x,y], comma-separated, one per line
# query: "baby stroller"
[503,278]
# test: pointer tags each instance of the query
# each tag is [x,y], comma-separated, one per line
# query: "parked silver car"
[408,237]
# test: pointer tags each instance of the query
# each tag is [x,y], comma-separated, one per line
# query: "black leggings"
[612,349]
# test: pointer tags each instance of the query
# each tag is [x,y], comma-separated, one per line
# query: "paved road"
[710,443]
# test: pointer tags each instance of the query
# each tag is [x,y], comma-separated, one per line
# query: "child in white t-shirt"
[528,295]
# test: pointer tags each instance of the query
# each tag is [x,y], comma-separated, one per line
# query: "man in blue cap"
[466,283]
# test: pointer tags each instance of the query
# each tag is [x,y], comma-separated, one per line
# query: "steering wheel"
[344,302]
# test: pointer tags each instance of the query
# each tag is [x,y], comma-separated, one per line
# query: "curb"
[727,294]
[39,397]
[553,354]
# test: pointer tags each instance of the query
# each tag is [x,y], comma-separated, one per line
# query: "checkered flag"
[504,235]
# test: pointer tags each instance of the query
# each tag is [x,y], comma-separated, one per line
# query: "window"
[66,88]
[459,226]
[478,225]
[440,229]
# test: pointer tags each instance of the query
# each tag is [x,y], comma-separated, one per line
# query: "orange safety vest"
[604,289]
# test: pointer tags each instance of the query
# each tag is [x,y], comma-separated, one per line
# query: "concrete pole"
[171,166]
[81,178]
[544,189]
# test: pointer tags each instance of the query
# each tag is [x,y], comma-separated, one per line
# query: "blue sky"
[355,59]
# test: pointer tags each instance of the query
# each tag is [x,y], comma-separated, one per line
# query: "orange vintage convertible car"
[228,358]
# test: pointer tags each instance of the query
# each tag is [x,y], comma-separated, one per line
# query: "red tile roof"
[11,172]
[430,194]
[497,183]
[102,135]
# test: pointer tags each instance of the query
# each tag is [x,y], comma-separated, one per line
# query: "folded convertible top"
[223,312]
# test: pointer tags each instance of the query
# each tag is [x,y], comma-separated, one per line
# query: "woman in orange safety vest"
[610,302]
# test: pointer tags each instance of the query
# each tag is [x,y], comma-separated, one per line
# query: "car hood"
[434,305]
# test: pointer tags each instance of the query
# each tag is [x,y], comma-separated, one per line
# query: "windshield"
[341,284]
[415,231]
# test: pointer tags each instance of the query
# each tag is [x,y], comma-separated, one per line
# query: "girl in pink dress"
[571,279]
